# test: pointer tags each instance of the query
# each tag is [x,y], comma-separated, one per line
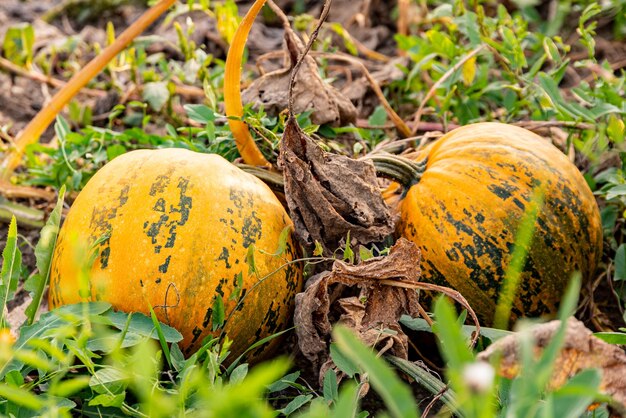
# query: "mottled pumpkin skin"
[181,220]
[465,211]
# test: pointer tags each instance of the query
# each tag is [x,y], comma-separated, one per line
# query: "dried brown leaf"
[373,314]
[310,92]
[331,195]
[581,350]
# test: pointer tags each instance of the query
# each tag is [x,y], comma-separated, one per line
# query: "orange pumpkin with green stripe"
[172,229]
[464,206]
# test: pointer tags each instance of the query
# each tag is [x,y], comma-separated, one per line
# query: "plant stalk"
[399,169]
[232,94]
[42,120]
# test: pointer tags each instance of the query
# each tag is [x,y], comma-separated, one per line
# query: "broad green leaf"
[420,324]
[108,400]
[284,382]
[11,268]
[109,380]
[615,129]
[98,411]
[218,316]
[156,93]
[378,117]
[106,343]
[142,325]
[397,396]
[200,113]
[177,357]
[551,50]
[330,386]
[297,403]
[237,375]
[344,363]
[365,253]
[115,150]
[282,240]
[43,253]
[616,191]
[51,322]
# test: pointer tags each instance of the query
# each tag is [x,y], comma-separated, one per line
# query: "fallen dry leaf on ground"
[372,314]
[330,195]
[310,93]
[581,350]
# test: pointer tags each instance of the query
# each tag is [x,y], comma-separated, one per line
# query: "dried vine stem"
[453,294]
[397,120]
[42,120]
[42,78]
[433,89]
[296,67]
[400,125]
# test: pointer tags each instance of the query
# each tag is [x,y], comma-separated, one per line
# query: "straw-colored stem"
[42,120]
[232,94]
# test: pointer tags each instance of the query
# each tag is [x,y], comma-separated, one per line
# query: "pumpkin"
[173,230]
[464,206]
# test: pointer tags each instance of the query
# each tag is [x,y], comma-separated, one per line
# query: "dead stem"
[42,78]
[453,294]
[40,122]
[438,83]
[307,48]
[434,401]
[397,120]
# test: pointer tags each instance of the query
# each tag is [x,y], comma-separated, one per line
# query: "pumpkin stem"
[40,122]
[232,94]
[273,179]
[402,170]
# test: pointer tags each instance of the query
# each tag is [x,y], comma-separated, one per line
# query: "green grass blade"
[162,340]
[11,267]
[43,253]
[523,240]
[397,396]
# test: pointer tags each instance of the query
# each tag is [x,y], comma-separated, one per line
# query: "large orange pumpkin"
[465,207]
[173,229]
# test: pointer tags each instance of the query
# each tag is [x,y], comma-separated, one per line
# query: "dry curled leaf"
[310,92]
[581,350]
[331,195]
[373,314]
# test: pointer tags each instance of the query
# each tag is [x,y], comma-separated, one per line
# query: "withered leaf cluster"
[310,93]
[330,195]
[373,313]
